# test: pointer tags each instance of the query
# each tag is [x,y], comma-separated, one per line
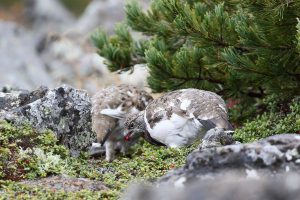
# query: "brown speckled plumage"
[205,106]
[126,97]
[179,118]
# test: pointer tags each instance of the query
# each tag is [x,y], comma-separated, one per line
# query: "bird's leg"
[109,150]
[123,149]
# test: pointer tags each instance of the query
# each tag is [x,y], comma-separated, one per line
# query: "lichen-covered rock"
[266,169]
[12,99]
[64,110]
[228,186]
[275,154]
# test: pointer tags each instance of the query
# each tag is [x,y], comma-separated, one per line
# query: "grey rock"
[276,154]
[104,14]
[48,15]
[230,186]
[137,76]
[70,59]
[21,66]
[64,110]
[58,49]
[267,169]
[14,98]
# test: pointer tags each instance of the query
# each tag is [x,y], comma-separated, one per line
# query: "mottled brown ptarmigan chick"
[178,118]
[110,106]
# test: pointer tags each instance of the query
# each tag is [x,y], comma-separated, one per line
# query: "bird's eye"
[131,126]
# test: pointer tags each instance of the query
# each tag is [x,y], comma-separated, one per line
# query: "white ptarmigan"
[110,106]
[178,118]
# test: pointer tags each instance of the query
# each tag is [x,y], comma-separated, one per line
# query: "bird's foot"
[96,149]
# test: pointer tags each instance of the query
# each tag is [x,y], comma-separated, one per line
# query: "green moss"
[280,119]
[147,163]
[27,154]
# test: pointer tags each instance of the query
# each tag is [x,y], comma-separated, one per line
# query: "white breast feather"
[176,131]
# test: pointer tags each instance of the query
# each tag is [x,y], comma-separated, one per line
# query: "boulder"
[103,14]
[71,59]
[229,186]
[137,76]
[266,169]
[21,66]
[275,154]
[64,110]
[48,15]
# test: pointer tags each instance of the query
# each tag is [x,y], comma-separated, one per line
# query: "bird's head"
[134,126]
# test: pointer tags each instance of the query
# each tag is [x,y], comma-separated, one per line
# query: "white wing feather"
[114,113]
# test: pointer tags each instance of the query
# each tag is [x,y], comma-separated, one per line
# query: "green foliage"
[298,35]
[120,50]
[147,163]
[245,50]
[277,121]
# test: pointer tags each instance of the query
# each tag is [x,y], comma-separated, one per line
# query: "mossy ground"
[281,117]
[26,154]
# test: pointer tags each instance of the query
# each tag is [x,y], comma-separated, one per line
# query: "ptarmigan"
[110,106]
[178,118]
